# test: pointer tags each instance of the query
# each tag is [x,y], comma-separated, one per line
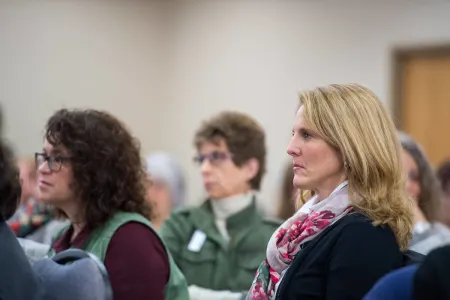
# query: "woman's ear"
[252,168]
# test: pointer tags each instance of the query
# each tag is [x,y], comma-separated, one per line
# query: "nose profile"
[42,167]
[205,167]
[292,149]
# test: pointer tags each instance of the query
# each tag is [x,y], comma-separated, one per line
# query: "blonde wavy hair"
[351,118]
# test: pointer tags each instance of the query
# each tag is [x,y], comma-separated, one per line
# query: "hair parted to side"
[352,119]
[430,191]
[109,174]
[10,188]
[244,137]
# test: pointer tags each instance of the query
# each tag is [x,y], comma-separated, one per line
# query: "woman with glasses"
[91,171]
[219,245]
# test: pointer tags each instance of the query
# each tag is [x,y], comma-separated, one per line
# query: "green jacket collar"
[238,225]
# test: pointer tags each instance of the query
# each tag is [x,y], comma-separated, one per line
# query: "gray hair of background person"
[430,193]
[162,167]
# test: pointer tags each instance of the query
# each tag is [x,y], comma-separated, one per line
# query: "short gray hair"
[162,167]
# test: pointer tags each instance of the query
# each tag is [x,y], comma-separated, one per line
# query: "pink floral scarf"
[285,243]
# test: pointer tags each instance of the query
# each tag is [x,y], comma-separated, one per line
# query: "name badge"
[197,241]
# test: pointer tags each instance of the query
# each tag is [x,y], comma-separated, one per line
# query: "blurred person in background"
[218,245]
[91,171]
[31,214]
[17,279]
[33,219]
[166,190]
[423,186]
[443,173]
[287,202]
[356,221]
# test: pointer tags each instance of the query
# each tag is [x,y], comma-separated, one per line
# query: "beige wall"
[163,66]
[104,55]
[255,55]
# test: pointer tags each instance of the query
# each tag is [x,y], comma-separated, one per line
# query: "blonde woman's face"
[411,171]
[317,166]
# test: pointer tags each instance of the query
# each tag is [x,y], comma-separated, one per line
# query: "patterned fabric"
[286,242]
[29,217]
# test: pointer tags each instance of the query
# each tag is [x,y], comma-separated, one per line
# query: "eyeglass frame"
[50,160]
[214,161]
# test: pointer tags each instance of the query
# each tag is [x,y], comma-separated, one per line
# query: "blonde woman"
[357,218]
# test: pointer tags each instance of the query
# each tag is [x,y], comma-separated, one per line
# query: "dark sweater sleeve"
[431,278]
[137,263]
[362,255]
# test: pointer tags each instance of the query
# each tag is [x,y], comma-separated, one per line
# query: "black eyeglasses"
[54,162]
[214,158]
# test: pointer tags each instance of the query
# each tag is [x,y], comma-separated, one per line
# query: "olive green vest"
[98,241]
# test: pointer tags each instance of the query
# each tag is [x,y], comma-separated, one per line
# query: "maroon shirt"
[137,263]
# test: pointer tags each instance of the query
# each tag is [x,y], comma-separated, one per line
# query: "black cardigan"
[343,262]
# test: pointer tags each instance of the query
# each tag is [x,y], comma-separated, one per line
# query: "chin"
[46,199]
[215,195]
[301,183]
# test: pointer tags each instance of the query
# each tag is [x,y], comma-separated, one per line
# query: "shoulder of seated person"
[441,228]
[357,221]
[134,233]
[272,221]
[135,227]
[184,210]
[356,217]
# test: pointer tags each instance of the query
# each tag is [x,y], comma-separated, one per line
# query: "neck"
[326,190]
[77,228]
[75,217]
[225,207]
[157,221]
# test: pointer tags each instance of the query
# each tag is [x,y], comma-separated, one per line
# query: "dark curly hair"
[10,189]
[109,175]
[244,137]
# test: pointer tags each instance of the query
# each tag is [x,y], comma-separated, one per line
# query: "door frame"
[400,55]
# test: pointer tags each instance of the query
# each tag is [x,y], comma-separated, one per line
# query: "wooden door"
[423,99]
